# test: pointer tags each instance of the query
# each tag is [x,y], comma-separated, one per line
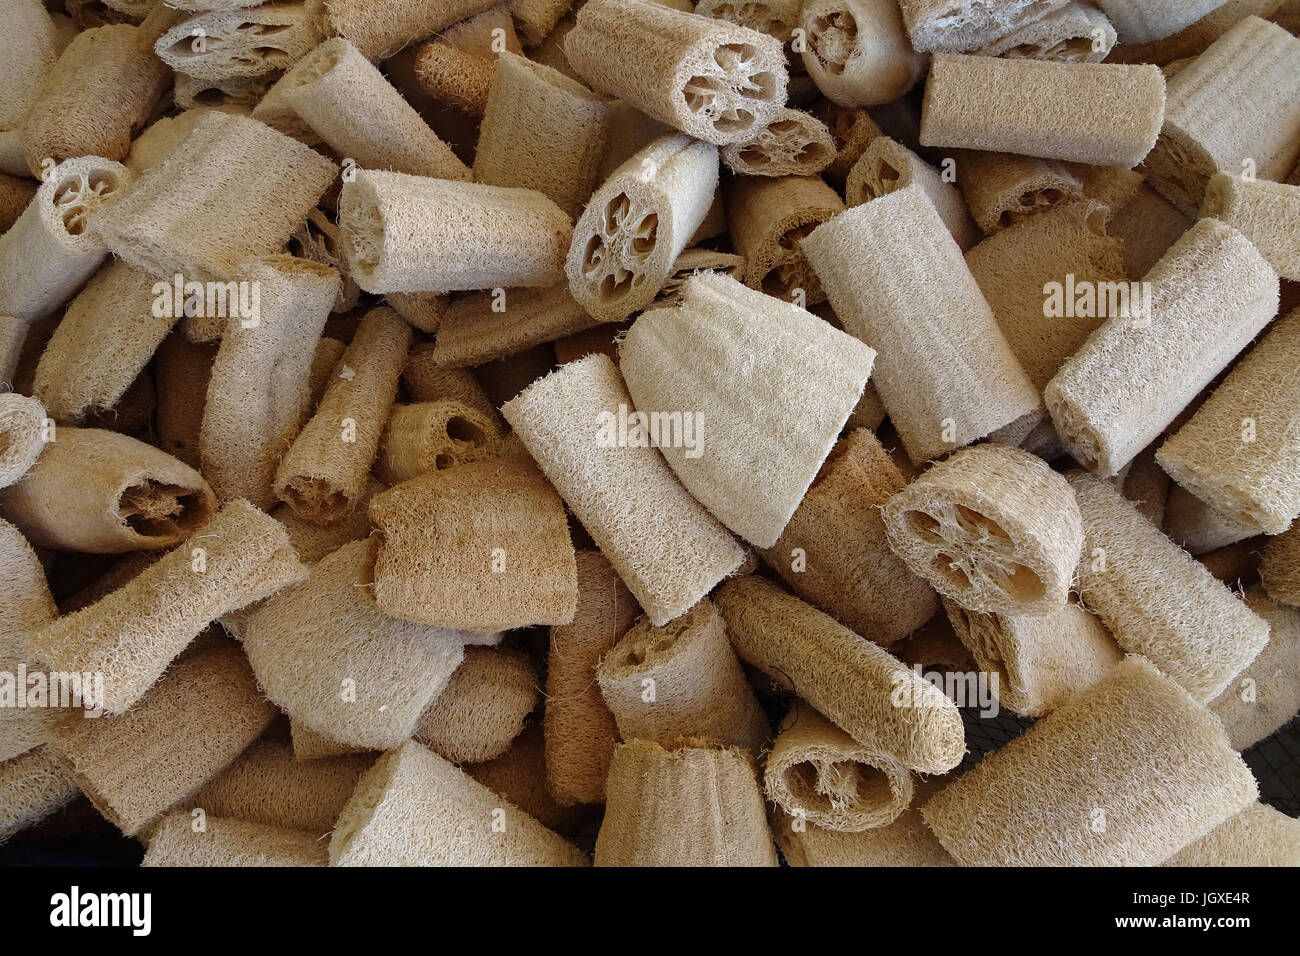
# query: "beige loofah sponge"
[28,606]
[235,843]
[381,29]
[483,707]
[482,326]
[23,436]
[1266,213]
[766,218]
[1279,571]
[254,42]
[1074,33]
[793,143]
[1257,836]
[1266,695]
[905,842]
[886,166]
[32,787]
[857,51]
[945,26]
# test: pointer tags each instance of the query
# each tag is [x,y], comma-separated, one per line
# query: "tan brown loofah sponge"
[1257,836]
[663,543]
[235,843]
[519,775]
[482,326]
[863,689]
[945,26]
[32,787]
[182,370]
[887,166]
[132,634]
[693,806]
[413,808]
[1126,772]
[381,29]
[253,42]
[993,528]
[1279,571]
[331,660]
[857,51]
[434,436]
[483,707]
[905,842]
[184,733]
[1002,190]
[29,49]
[1267,213]
[28,606]
[23,435]
[1266,695]
[15,194]
[427,381]
[794,143]
[680,681]
[767,218]
[1074,33]
[1156,599]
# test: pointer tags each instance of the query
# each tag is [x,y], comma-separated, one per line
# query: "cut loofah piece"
[1097,113]
[794,143]
[32,787]
[693,806]
[413,808]
[711,79]
[381,29]
[224,43]
[519,775]
[318,240]
[23,436]
[636,225]
[776,18]
[185,732]
[853,130]
[952,27]
[1279,571]
[834,553]
[1126,772]
[1268,214]
[309,745]
[689,263]
[863,689]
[483,326]
[538,19]
[414,234]
[28,606]
[49,253]
[427,381]
[1266,695]
[434,436]
[234,94]
[1074,33]
[1199,306]
[993,528]
[767,218]
[29,49]
[681,681]
[1158,601]
[1142,21]
[455,77]
[1257,836]
[580,730]
[133,634]
[886,166]
[331,660]
[101,492]
[1236,107]
[1002,190]
[483,707]
[857,51]
[825,778]
[313,541]
[225,842]
[1111,186]
[259,183]
[896,280]
[905,842]
[667,548]
[324,472]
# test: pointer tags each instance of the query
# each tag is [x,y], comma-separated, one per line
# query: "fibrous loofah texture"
[944,26]
[1146,227]
[225,43]
[1237,103]
[1157,600]
[23,435]
[181,373]
[693,806]
[886,166]
[1199,306]
[537,19]
[1071,34]
[1039,661]
[184,733]
[993,528]
[1142,21]
[313,541]
[853,130]
[543,131]
[857,51]
[72,117]
[258,183]
[98,491]
[519,775]
[237,94]
[482,326]
[324,473]
[15,194]
[767,218]
[863,689]
[896,279]
[580,730]
[259,393]
[32,787]
[224,842]
[483,708]
[788,367]
[1268,214]
[380,30]
[455,76]
[49,253]
[1193,39]
[1279,570]
[709,78]
[268,786]
[1257,836]
[1097,113]
[1001,189]
[331,660]
[1238,452]
[414,234]
[693,260]
[413,808]
[793,143]
[679,681]
[1111,186]
[28,606]
[479,547]
[434,436]
[133,634]
[1126,772]
[318,240]
[905,842]
[834,553]
[1067,246]
[776,18]
[637,224]
[29,49]
[667,548]
[427,381]
[1266,695]
[824,777]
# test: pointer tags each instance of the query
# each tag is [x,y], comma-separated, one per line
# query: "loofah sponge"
[381,29]
[1157,600]
[1279,570]
[483,707]
[1074,33]
[1268,214]
[905,842]
[22,436]
[680,681]
[29,49]
[692,806]
[1142,21]
[413,808]
[235,843]
[945,26]
[32,787]
[793,143]
[28,606]
[766,218]
[519,775]
[1002,190]
[886,166]
[254,42]
[1257,836]
[863,689]
[1266,695]
[434,436]
[332,661]
[857,51]
[483,326]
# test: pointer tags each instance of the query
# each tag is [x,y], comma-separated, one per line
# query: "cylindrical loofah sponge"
[482,326]
[1279,570]
[483,707]
[434,436]
[23,436]
[693,806]
[381,29]
[28,606]
[28,51]
[857,51]
[1260,835]
[1126,772]
[1074,33]
[766,218]
[905,842]
[226,842]
[252,42]
[1266,695]
[794,143]
[1266,213]
[519,775]
[886,166]
[31,788]
[1002,190]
